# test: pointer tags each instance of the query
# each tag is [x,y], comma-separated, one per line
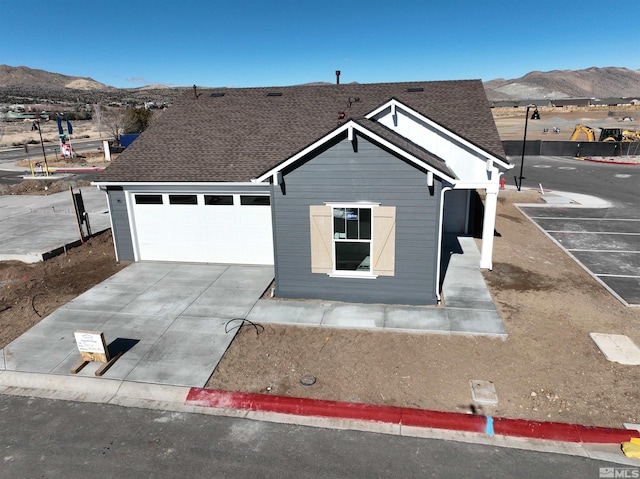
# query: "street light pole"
[44,154]
[524,139]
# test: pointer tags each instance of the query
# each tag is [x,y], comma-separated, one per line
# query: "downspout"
[440,232]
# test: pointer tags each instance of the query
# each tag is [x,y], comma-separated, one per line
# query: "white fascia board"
[200,184]
[395,105]
[367,133]
[489,186]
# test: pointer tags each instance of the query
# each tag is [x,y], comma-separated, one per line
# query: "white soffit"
[395,105]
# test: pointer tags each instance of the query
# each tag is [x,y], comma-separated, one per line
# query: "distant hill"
[23,76]
[609,82]
[27,85]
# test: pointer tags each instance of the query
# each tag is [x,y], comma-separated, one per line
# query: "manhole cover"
[308,380]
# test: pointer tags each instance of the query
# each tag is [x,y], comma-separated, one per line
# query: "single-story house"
[346,189]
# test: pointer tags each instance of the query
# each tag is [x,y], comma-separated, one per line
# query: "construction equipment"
[618,134]
[587,130]
[606,134]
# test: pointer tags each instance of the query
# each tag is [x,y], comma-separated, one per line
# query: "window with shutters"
[353,240]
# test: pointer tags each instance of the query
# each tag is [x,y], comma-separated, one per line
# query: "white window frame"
[349,273]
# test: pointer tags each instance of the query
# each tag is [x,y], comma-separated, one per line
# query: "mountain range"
[27,85]
[609,82]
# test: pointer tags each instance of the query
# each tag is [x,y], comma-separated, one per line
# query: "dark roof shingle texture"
[246,132]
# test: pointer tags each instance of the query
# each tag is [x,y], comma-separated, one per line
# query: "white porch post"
[489,224]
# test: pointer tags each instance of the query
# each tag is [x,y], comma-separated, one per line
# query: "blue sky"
[280,42]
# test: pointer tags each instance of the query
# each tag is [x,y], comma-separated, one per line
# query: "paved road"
[35,151]
[9,176]
[619,184]
[605,241]
[46,438]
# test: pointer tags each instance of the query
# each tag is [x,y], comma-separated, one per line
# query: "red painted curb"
[610,162]
[555,431]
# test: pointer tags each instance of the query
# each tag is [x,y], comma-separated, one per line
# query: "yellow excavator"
[587,130]
[606,134]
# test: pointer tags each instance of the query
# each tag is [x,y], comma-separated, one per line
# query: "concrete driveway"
[33,227]
[169,318]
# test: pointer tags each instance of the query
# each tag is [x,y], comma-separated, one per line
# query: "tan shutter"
[384,240]
[321,229]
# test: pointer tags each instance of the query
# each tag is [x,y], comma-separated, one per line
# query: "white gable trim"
[395,105]
[190,184]
[349,127]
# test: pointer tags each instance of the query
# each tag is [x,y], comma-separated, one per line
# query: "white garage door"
[209,228]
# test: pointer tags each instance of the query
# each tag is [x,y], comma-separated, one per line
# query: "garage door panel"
[236,234]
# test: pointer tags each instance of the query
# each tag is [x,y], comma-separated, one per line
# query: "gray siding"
[338,174]
[120,224]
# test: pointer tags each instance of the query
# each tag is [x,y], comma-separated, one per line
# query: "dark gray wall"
[120,224]
[338,174]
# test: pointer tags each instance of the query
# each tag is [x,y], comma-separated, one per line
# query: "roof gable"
[378,134]
[247,131]
[468,162]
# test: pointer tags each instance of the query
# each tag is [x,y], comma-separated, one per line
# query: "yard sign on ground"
[93,348]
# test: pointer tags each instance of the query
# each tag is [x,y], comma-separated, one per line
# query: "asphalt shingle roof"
[247,131]
[408,146]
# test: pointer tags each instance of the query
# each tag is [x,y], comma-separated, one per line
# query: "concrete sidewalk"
[34,227]
[468,306]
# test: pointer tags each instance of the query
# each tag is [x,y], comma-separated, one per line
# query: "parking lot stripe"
[602,250]
[617,275]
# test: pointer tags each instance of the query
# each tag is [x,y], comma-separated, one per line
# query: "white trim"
[394,104]
[130,200]
[351,273]
[191,184]
[365,132]
[351,204]
[439,250]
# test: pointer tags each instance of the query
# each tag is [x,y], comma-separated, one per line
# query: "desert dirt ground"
[510,121]
[547,369]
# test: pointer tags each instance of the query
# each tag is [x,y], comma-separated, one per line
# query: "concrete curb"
[607,162]
[408,417]
[559,438]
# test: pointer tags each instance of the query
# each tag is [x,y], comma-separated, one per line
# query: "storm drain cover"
[617,348]
[483,392]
